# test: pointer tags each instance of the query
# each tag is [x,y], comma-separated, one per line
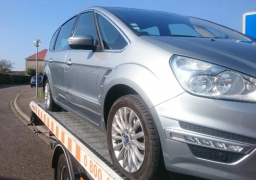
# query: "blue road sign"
[249,24]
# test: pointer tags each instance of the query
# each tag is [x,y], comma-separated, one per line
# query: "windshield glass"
[153,23]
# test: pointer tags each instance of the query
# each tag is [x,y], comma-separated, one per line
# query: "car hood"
[237,55]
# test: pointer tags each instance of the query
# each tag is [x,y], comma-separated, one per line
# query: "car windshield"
[153,23]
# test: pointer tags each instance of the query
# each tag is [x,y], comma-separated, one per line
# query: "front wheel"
[133,140]
[50,105]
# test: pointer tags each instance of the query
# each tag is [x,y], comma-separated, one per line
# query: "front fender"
[150,86]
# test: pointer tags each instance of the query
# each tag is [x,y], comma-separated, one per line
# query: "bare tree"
[5,66]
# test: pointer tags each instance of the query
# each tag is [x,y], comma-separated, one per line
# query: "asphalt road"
[22,154]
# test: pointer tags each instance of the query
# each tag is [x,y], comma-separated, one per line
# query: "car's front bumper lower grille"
[215,155]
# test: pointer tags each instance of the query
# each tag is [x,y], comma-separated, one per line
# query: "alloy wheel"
[47,95]
[128,139]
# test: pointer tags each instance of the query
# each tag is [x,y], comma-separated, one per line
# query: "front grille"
[214,155]
[216,133]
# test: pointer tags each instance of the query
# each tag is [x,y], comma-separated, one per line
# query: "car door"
[81,72]
[56,60]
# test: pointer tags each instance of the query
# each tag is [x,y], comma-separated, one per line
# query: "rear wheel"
[50,105]
[133,139]
[62,171]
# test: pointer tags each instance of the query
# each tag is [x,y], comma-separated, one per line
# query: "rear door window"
[53,40]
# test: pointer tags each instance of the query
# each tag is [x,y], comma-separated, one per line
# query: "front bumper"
[212,121]
[34,84]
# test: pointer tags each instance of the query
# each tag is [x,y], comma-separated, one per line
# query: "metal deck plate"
[86,133]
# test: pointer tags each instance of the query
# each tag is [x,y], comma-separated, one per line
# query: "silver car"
[171,92]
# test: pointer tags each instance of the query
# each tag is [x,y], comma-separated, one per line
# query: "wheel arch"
[122,81]
[113,94]
[47,74]
[44,79]
[58,151]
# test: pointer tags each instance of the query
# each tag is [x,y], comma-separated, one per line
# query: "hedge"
[14,79]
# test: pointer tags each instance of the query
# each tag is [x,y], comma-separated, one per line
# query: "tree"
[5,66]
[31,71]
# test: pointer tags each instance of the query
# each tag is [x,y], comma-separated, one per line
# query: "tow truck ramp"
[87,144]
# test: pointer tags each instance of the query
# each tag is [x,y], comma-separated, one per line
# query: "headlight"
[209,80]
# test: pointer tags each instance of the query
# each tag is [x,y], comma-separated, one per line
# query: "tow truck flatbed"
[84,142]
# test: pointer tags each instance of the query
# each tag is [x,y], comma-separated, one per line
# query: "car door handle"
[69,62]
[50,60]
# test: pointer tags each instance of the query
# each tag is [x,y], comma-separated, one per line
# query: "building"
[31,61]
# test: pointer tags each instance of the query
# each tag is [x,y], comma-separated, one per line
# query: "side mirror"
[81,42]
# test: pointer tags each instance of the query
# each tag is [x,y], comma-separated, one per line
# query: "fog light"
[206,142]
[209,143]
[191,139]
[220,145]
[235,148]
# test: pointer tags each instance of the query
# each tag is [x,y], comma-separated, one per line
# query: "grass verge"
[42,94]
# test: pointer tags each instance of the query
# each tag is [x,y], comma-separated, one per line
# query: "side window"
[53,40]
[65,33]
[111,37]
[86,26]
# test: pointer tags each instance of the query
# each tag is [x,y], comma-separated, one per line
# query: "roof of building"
[41,55]
[18,72]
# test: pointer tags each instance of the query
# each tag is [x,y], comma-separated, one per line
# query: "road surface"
[23,155]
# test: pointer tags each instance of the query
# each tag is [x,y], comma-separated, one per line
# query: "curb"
[18,108]
[44,131]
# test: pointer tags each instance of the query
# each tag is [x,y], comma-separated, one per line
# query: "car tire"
[137,156]
[50,105]
[62,171]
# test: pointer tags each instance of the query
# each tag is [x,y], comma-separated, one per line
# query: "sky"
[23,21]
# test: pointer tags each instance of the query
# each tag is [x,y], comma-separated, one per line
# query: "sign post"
[37,43]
